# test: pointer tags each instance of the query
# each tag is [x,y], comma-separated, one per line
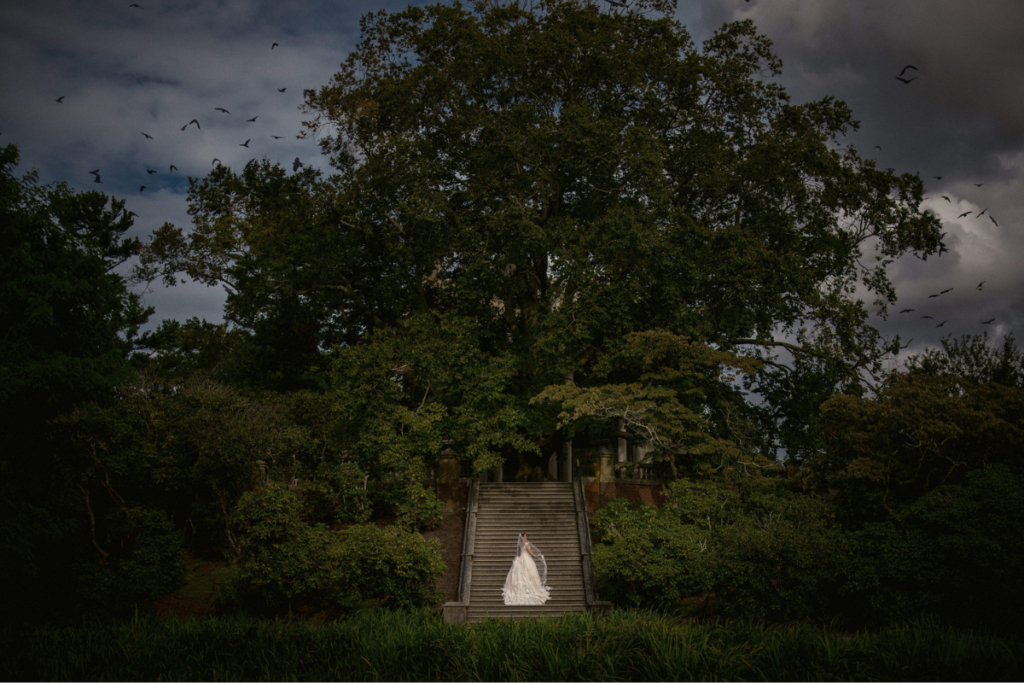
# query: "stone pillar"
[603,463]
[553,466]
[567,461]
[623,453]
[499,473]
[448,470]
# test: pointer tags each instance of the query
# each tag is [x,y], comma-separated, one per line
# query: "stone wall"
[643,491]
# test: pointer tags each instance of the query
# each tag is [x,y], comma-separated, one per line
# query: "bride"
[524,584]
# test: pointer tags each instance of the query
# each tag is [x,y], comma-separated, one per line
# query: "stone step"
[515,523]
[546,544]
[549,606]
[494,594]
[519,485]
[563,584]
[488,508]
[485,578]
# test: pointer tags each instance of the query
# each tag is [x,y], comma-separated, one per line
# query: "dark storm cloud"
[962,118]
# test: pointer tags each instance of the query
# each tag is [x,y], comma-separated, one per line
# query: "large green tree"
[67,322]
[561,177]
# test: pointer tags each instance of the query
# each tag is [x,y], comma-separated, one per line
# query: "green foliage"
[419,508]
[766,553]
[649,560]
[668,407]
[520,186]
[145,563]
[772,554]
[284,563]
[974,360]
[68,321]
[919,432]
[382,645]
[178,352]
[336,493]
[391,565]
[270,237]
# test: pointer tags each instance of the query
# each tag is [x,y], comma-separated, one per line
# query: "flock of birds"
[906,81]
[296,165]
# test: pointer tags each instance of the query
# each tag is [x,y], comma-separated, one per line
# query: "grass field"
[382,645]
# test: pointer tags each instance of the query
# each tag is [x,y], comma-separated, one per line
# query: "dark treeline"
[547,222]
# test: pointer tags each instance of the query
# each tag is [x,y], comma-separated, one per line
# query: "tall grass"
[380,645]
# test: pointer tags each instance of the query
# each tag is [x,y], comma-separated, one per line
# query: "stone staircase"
[548,513]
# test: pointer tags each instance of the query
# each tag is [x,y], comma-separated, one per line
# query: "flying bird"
[943,249]
[150,171]
[173,167]
[982,212]
[946,291]
[190,123]
[978,184]
[296,165]
[926,317]
[966,213]
[96,175]
[216,161]
[946,198]
[277,137]
[141,188]
[221,109]
[937,177]
[148,137]
[987,322]
[245,144]
[980,284]
[274,45]
[941,324]
[993,220]
[135,5]
[908,66]
[60,99]
[877,147]
[252,120]
[281,89]
[932,296]
[907,310]
[906,80]
[132,213]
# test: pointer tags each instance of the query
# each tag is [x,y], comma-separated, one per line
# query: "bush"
[146,563]
[767,553]
[419,508]
[650,559]
[282,561]
[285,563]
[337,494]
[391,565]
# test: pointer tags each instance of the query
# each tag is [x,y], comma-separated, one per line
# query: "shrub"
[146,562]
[389,564]
[419,508]
[650,559]
[285,563]
[337,494]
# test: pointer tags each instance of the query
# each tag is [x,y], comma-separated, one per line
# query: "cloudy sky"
[127,71]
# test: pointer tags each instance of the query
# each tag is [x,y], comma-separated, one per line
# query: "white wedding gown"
[523,584]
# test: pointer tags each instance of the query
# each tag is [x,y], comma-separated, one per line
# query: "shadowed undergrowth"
[382,645]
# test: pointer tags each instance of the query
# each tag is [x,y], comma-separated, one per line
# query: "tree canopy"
[558,178]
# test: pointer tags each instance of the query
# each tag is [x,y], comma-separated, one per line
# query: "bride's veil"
[542,565]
